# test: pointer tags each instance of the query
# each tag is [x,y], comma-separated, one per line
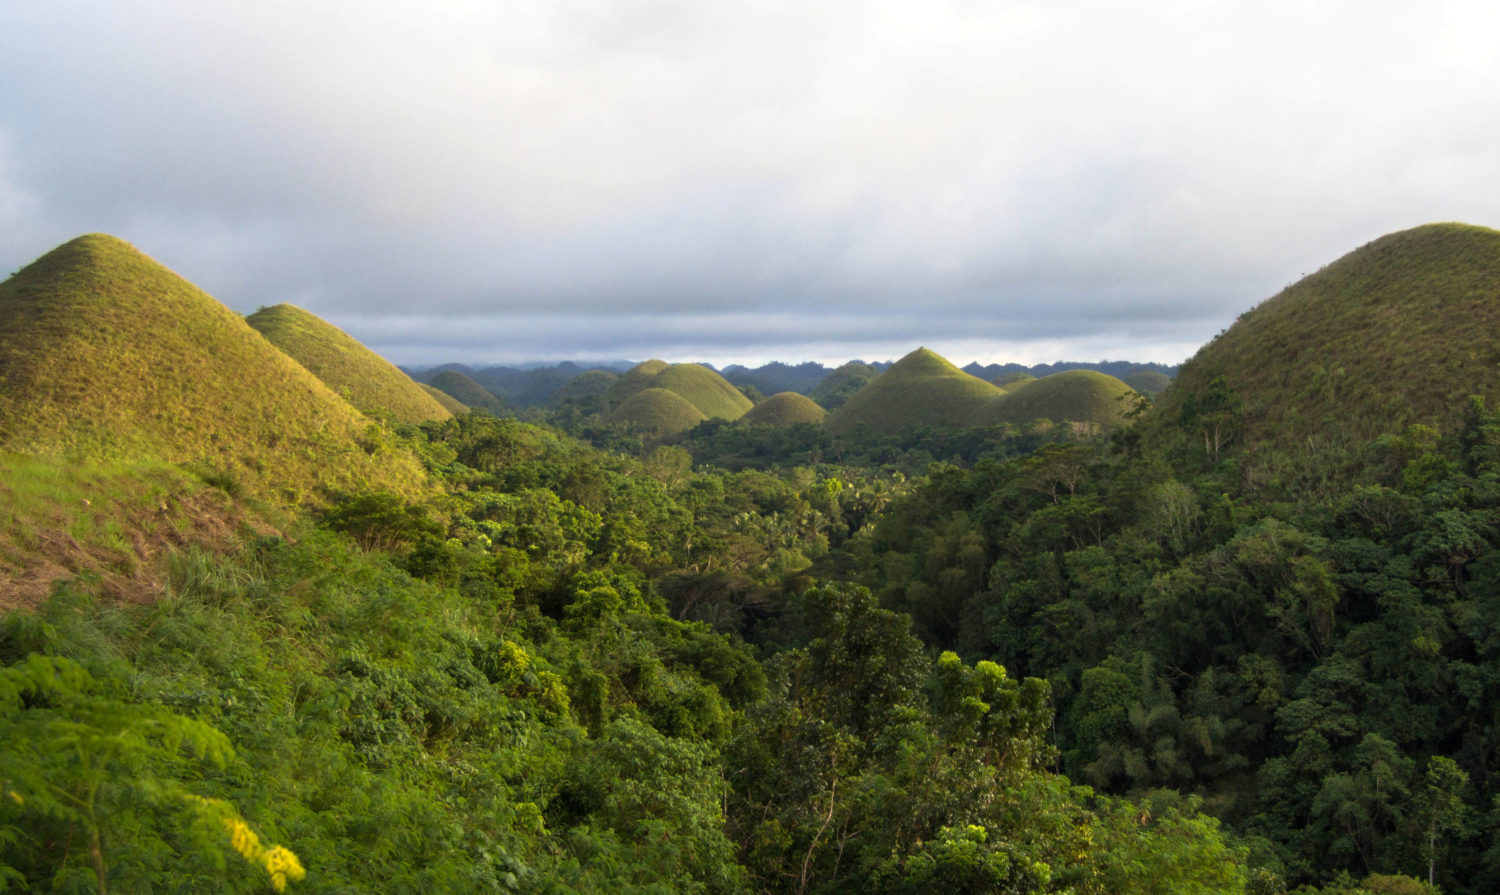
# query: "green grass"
[698,385]
[107,355]
[449,403]
[655,412]
[1149,382]
[1397,332]
[1096,401]
[921,389]
[370,382]
[1009,381]
[784,409]
[838,386]
[466,391]
[592,382]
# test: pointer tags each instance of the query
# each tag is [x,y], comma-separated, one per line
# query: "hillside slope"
[1093,400]
[104,353]
[921,389]
[463,389]
[655,413]
[370,382]
[784,409]
[1397,332]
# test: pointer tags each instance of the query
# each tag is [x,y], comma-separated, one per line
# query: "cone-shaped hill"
[450,403]
[1086,398]
[921,389]
[1010,381]
[655,413]
[106,353]
[698,385]
[1149,382]
[369,381]
[585,385]
[1400,331]
[840,385]
[463,389]
[784,409]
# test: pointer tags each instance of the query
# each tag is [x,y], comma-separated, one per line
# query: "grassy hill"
[699,386]
[463,389]
[921,389]
[1149,382]
[1011,380]
[1397,332]
[450,403]
[106,354]
[593,382]
[1094,400]
[654,413]
[784,409]
[369,381]
[841,384]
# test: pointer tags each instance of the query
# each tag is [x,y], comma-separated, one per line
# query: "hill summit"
[369,381]
[106,353]
[701,387]
[921,389]
[1397,332]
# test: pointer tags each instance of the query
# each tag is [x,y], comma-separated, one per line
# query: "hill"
[450,403]
[778,377]
[589,384]
[1013,379]
[837,387]
[370,382]
[701,387]
[921,389]
[467,392]
[1083,397]
[1149,382]
[654,413]
[1400,331]
[784,409]
[104,353]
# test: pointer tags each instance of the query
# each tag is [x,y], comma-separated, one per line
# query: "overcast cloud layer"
[747,181]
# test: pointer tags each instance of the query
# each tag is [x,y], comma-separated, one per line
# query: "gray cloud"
[746,181]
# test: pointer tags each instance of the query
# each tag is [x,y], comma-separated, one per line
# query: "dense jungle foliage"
[580,670]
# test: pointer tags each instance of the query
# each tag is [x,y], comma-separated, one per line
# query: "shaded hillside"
[701,387]
[1149,382]
[534,386]
[585,385]
[778,377]
[370,382]
[1012,379]
[467,392]
[1120,369]
[106,353]
[654,413]
[784,409]
[1400,331]
[921,389]
[839,386]
[1084,397]
[450,403]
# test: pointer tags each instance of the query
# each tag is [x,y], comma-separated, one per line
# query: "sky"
[739,181]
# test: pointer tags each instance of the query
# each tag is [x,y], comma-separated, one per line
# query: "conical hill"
[1400,331]
[921,389]
[1088,399]
[370,382]
[841,384]
[655,413]
[698,385]
[784,409]
[105,353]
[462,388]
[449,403]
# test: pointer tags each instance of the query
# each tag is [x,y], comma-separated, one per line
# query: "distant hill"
[450,403]
[921,389]
[778,377]
[368,380]
[1120,369]
[467,392]
[104,353]
[784,409]
[1008,381]
[1397,332]
[701,387]
[588,384]
[1149,382]
[1084,397]
[841,384]
[654,413]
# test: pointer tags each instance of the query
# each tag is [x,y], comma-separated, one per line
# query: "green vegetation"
[921,389]
[701,387]
[467,392]
[1006,381]
[839,386]
[448,402]
[1149,382]
[370,382]
[1091,401]
[585,385]
[105,354]
[784,409]
[655,413]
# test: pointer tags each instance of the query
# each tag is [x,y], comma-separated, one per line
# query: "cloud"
[1120,178]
